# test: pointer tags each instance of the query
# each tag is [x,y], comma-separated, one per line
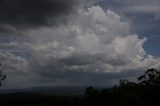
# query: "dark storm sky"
[77,42]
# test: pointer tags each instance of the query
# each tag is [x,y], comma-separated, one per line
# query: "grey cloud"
[80,77]
[142,14]
[85,59]
[34,13]
[54,55]
[96,47]
[133,7]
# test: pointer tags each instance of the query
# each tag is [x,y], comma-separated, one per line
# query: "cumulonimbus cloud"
[93,42]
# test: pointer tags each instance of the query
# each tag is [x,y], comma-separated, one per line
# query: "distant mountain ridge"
[62,90]
[69,90]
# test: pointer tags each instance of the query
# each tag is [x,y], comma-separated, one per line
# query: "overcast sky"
[77,42]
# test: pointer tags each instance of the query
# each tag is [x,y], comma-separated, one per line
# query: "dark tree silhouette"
[150,78]
[144,92]
[2,76]
[91,92]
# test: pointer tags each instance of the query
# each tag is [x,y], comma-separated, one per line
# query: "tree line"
[144,92]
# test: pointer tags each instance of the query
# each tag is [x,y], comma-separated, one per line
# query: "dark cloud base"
[86,78]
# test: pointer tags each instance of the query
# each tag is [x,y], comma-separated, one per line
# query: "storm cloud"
[95,43]
[34,13]
[94,47]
